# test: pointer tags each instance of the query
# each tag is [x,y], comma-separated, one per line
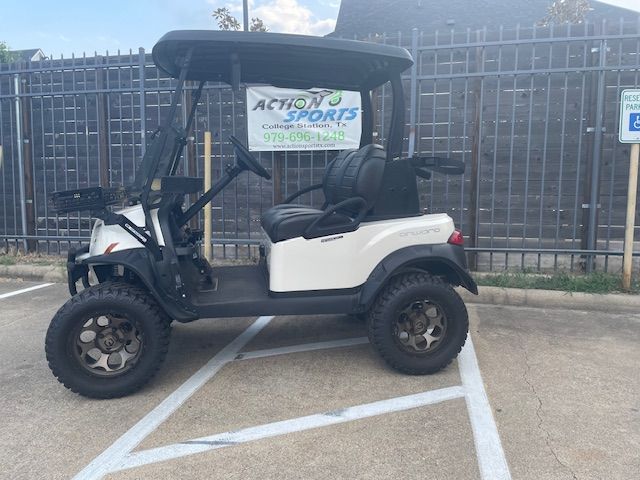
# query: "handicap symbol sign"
[629,126]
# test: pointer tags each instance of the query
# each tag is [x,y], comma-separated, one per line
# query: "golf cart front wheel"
[418,323]
[107,341]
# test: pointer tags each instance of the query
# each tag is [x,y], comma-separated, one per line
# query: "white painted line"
[491,458]
[305,347]
[24,290]
[268,430]
[113,455]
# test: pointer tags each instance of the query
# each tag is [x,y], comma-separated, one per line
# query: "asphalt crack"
[547,435]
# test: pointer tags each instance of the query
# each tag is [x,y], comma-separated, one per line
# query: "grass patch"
[17,258]
[7,260]
[597,282]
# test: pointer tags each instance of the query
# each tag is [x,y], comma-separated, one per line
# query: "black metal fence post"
[17,86]
[476,148]
[27,157]
[595,167]
[102,101]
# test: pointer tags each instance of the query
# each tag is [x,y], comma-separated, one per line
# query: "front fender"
[442,259]
[137,261]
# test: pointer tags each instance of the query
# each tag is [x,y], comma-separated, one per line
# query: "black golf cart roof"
[282,60]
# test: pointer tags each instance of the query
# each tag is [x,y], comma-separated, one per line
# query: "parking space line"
[268,430]
[24,290]
[119,456]
[491,459]
[113,455]
[305,347]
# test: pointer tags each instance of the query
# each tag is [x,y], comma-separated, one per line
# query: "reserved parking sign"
[630,116]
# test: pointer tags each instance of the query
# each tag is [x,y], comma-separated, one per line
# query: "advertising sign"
[280,119]
[630,116]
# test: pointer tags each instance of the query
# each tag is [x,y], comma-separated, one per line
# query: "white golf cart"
[369,251]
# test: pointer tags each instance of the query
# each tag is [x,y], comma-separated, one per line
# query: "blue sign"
[629,127]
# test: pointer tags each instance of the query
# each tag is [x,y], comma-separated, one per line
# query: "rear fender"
[445,260]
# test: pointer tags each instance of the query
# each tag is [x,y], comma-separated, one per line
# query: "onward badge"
[331,239]
[424,231]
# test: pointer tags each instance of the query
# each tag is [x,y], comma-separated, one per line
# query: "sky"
[68,26]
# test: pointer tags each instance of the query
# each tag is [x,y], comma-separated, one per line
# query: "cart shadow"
[197,342]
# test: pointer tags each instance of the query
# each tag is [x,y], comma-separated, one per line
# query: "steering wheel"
[246,160]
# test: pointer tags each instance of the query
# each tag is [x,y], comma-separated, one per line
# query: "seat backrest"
[355,173]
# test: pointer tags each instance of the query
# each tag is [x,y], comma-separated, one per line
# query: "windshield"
[164,149]
[163,154]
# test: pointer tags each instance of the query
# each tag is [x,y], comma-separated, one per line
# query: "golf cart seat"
[351,185]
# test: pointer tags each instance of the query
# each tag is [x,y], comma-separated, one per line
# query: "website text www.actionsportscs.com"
[306,146]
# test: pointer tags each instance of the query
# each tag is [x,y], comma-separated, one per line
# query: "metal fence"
[532,111]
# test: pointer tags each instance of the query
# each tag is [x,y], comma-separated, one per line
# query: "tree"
[5,55]
[226,21]
[566,11]
[257,25]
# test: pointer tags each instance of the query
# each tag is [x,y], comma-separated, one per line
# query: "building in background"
[29,55]
[360,18]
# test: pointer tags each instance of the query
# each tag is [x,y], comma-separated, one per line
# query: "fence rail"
[532,111]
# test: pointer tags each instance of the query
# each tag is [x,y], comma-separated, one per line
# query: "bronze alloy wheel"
[420,327]
[107,345]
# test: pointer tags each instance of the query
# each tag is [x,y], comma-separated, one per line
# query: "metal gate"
[532,112]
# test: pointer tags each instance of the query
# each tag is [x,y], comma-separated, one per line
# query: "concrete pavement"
[562,386]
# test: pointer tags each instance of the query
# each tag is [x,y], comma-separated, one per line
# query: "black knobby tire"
[118,300]
[382,327]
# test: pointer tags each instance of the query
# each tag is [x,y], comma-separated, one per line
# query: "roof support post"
[367,118]
[411,150]
[394,143]
[142,60]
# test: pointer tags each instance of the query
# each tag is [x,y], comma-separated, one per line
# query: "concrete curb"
[516,297]
[36,273]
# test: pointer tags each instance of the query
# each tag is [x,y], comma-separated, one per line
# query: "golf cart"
[369,251]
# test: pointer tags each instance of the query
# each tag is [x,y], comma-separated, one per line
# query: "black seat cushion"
[353,173]
[291,221]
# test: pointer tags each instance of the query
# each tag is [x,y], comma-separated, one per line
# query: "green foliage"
[598,282]
[257,25]
[226,21]
[15,257]
[7,260]
[5,55]
[566,11]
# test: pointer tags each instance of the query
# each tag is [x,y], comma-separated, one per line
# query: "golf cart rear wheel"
[107,341]
[418,324]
